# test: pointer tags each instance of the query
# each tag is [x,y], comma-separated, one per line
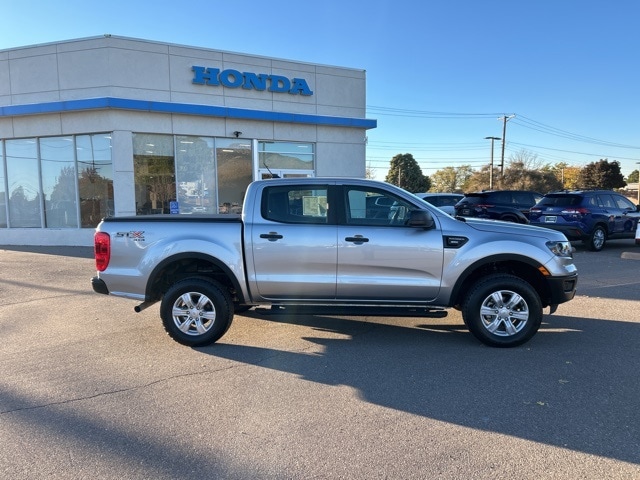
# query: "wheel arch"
[514,215]
[603,224]
[521,266]
[191,264]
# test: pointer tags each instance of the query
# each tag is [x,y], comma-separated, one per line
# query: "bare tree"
[450,179]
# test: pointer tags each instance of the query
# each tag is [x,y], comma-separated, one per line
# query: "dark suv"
[507,205]
[592,216]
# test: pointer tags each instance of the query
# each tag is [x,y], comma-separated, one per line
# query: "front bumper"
[562,289]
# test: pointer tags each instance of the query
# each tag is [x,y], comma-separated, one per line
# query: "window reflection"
[235,173]
[95,178]
[67,181]
[195,174]
[58,182]
[154,171]
[53,172]
[22,180]
[286,155]
[3,190]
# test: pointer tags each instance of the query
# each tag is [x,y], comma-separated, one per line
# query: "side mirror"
[420,219]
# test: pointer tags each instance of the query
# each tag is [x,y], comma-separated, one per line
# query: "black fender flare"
[155,273]
[488,262]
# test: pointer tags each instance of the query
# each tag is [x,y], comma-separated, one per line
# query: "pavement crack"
[114,392]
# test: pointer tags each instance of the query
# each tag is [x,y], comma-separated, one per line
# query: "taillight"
[576,212]
[102,250]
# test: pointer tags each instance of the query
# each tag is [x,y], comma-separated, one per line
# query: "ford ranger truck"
[348,243]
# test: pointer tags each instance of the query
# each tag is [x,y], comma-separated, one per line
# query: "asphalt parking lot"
[90,389]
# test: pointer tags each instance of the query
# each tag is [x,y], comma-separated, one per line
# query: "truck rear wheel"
[196,312]
[502,311]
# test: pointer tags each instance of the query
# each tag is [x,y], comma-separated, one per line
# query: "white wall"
[151,71]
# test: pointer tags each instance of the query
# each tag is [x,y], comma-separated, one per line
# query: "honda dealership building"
[112,126]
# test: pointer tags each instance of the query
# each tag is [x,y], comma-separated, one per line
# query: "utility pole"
[638,184]
[504,119]
[491,164]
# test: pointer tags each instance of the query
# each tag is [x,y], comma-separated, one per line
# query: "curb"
[630,255]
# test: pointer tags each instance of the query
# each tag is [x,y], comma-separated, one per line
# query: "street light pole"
[491,164]
[504,119]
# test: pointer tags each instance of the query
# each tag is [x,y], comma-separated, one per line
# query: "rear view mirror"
[420,219]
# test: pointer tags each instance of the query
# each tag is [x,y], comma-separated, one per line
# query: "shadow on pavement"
[79,252]
[553,390]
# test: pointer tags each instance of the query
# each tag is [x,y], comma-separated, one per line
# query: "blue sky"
[440,73]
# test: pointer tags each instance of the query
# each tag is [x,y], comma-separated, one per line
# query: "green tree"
[633,177]
[602,174]
[405,172]
[450,179]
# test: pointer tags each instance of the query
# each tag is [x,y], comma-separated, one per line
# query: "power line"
[541,127]
[399,112]
[521,120]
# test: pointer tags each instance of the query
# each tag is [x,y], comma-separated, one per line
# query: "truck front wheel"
[196,312]
[502,311]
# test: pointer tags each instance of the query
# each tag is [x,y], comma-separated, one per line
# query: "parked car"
[444,201]
[638,234]
[506,205]
[593,216]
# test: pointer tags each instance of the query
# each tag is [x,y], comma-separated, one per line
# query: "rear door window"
[296,204]
[624,203]
[606,201]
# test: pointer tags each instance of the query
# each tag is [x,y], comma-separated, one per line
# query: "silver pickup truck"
[347,243]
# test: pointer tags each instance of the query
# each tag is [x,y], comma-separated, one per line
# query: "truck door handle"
[271,236]
[358,239]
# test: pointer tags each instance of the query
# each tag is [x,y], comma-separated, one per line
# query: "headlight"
[561,249]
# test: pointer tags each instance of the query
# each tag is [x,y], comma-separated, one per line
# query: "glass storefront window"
[54,172]
[195,174]
[154,172]
[67,181]
[23,182]
[286,155]
[57,166]
[95,178]
[235,173]
[206,174]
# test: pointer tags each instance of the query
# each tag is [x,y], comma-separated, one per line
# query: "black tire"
[502,311]
[597,239]
[196,312]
